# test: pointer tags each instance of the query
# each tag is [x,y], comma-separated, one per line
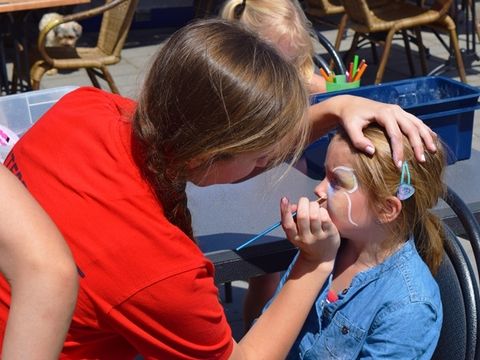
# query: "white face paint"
[344,182]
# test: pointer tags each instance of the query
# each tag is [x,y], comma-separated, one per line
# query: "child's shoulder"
[412,276]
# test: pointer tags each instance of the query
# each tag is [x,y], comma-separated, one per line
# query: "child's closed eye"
[334,183]
[343,178]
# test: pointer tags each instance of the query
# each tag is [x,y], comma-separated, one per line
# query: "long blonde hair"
[275,20]
[379,176]
[214,90]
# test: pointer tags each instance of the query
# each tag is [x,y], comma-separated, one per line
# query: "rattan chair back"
[375,16]
[114,28]
[324,7]
[117,16]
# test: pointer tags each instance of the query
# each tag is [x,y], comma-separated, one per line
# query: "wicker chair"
[398,16]
[116,21]
[317,10]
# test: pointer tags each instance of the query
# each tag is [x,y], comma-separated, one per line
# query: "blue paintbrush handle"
[263,233]
[273,227]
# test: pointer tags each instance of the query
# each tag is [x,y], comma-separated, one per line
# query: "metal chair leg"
[228,292]
[93,78]
[408,52]
[340,32]
[37,71]
[349,55]
[5,88]
[450,25]
[109,79]
[386,53]
[421,50]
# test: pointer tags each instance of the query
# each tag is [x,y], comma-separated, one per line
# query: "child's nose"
[321,188]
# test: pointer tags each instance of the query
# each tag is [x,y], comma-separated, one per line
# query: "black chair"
[459,289]
[332,59]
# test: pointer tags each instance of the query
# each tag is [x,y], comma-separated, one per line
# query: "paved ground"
[142,44]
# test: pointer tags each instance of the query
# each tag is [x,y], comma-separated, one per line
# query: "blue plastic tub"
[446,105]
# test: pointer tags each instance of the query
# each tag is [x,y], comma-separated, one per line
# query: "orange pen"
[324,74]
[360,72]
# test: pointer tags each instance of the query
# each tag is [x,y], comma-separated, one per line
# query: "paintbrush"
[320,201]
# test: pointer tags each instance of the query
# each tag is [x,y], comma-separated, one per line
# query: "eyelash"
[334,183]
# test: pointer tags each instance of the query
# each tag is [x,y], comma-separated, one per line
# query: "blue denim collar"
[406,251]
[361,279]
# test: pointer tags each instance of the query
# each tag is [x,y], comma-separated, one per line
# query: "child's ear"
[198,161]
[390,210]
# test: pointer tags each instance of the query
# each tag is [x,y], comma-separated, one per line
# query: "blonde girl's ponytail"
[429,240]
[232,10]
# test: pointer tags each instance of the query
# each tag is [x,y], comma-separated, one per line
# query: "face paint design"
[343,182]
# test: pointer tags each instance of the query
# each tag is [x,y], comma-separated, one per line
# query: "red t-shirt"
[147,288]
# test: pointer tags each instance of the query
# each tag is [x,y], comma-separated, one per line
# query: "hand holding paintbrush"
[312,232]
[320,201]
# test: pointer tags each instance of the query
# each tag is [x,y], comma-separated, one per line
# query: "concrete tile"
[233,310]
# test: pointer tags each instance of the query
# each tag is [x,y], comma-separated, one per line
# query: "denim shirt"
[390,311]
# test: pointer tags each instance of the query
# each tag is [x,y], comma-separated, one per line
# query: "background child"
[381,300]
[284,25]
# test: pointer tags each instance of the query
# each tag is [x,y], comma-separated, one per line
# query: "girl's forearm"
[41,308]
[276,329]
[38,265]
[324,116]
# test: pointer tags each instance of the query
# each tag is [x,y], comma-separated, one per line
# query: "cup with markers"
[349,80]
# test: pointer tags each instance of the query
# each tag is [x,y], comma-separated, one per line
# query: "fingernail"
[422,158]
[370,150]
[284,201]
[399,163]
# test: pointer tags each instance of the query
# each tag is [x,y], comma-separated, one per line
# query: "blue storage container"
[446,105]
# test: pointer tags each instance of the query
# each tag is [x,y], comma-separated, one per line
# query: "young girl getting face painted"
[381,300]
[346,201]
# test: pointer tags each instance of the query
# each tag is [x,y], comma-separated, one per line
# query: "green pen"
[355,66]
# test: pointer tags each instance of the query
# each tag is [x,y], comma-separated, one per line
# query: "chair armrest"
[467,219]
[442,6]
[334,55]
[42,37]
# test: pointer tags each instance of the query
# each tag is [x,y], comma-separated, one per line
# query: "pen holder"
[340,83]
